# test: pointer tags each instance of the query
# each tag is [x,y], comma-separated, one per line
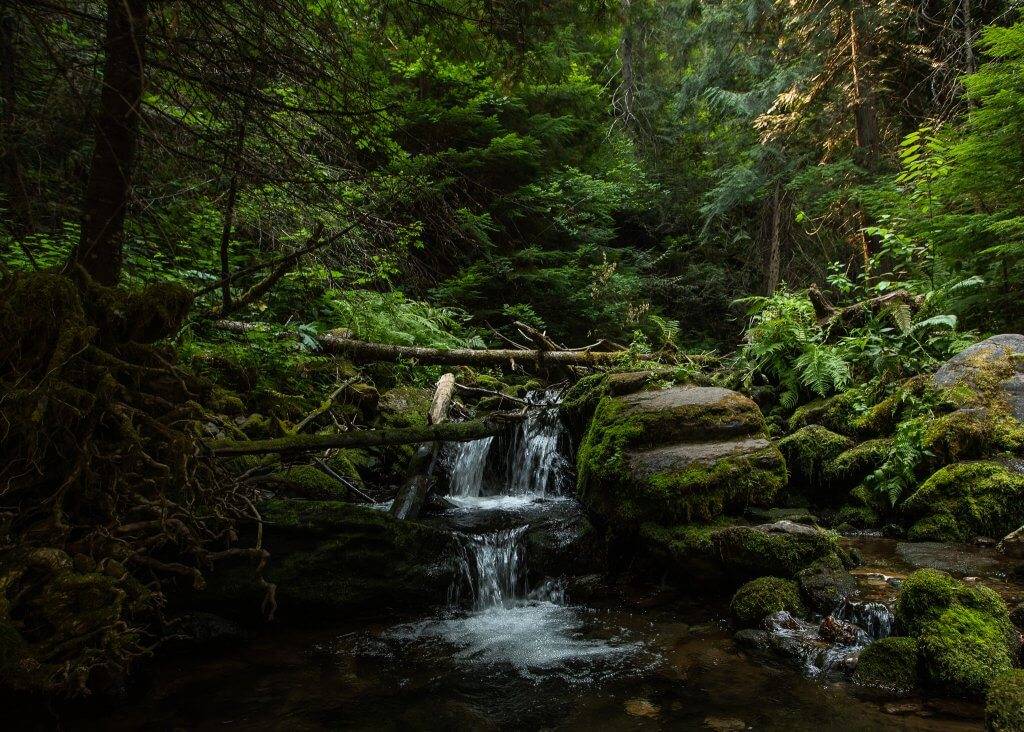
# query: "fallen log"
[366,351]
[292,444]
[413,494]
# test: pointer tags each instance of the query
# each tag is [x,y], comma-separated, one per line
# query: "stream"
[513,649]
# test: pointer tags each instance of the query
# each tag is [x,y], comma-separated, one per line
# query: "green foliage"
[390,317]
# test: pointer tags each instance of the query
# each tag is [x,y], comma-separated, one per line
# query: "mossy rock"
[807,452]
[964,500]
[927,593]
[764,596]
[849,468]
[674,456]
[988,373]
[722,552]
[857,517]
[826,585]
[836,412]
[963,650]
[1004,708]
[890,664]
[331,559]
[306,481]
[971,433]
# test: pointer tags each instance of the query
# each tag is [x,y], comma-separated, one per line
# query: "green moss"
[968,434]
[1004,708]
[808,451]
[307,481]
[967,499]
[223,401]
[836,413]
[858,517]
[738,551]
[405,406]
[963,650]
[764,596]
[927,593]
[611,490]
[890,664]
[851,466]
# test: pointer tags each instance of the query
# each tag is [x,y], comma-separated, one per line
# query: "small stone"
[641,708]
[984,541]
[837,631]
[725,724]
[902,708]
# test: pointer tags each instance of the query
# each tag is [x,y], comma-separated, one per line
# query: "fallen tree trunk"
[413,494]
[447,432]
[366,351]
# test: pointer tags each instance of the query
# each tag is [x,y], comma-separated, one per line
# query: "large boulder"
[727,553]
[996,362]
[964,500]
[676,455]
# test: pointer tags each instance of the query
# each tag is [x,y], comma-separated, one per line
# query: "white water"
[495,618]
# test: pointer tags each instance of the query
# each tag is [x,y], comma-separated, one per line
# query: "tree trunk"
[100,247]
[775,253]
[413,494]
[866,117]
[18,208]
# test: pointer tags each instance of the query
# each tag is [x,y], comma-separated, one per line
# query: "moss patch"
[850,467]
[307,481]
[890,664]
[927,593]
[737,552]
[764,596]
[964,500]
[963,651]
[1004,709]
[808,451]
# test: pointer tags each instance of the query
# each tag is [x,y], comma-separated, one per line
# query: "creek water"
[513,649]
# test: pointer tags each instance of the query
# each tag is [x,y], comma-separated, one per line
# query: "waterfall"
[535,464]
[467,468]
[493,568]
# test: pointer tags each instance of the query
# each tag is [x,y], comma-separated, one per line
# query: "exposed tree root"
[108,501]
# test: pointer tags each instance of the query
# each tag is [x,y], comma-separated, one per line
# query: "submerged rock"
[676,455]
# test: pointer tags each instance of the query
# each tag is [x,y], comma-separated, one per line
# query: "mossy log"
[445,432]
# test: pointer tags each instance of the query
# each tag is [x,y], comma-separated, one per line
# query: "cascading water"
[494,618]
[467,468]
[535,464]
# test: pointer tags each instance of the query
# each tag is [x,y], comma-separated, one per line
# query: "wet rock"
[1017,616]
[952,558]
[675,455]
[642,708]
[1012,544]
[838,631]
[753,640]
[561,543]
[725,724]
[826,587]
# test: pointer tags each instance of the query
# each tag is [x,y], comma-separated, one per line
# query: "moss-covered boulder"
[927,593]
[405,406]
[963,650]
[808,452]
[850,467]
[993,367]
[969,499]
[675,455]
[890,664]
[727,553]
[334,559]
[764,596]
[1004,708]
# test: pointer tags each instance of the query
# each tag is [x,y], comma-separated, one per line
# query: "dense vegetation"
[807,199]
